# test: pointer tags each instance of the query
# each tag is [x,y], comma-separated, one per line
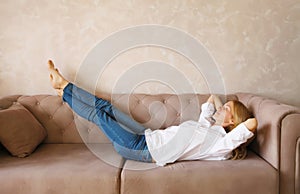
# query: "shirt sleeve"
[232,140]
[207,111]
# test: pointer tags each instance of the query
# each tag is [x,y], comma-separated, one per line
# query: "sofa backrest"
[153,111]
[160,111]
[54,115]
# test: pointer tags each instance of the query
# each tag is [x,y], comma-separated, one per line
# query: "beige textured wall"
[255,43]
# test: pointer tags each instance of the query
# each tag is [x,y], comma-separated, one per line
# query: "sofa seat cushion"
[211,177]
[60,168]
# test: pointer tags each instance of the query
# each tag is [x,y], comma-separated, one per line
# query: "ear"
[229,124]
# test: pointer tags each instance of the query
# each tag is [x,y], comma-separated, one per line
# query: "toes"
[51,67]
[50,64]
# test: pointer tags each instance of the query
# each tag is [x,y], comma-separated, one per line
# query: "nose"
[221,110]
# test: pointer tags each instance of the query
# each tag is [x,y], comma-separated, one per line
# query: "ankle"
[64,84]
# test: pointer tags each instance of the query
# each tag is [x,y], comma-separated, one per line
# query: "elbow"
[251,124]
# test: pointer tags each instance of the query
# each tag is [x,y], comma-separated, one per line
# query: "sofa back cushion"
[62,124]
[162,110]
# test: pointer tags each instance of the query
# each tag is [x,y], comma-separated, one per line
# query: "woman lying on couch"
[220,130]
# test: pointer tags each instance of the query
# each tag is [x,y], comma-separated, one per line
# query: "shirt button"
[165,101]
[178,114]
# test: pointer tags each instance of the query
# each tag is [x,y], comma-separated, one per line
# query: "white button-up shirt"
[194,140]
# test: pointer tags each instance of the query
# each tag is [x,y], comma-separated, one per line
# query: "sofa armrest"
[290,154]
[278,138]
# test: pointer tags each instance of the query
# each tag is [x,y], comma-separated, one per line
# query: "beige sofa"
[75,157]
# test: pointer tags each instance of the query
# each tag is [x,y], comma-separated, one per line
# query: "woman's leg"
[129,145]
[59,83]
[106,106]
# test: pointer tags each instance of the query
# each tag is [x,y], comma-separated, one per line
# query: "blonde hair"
[240,114]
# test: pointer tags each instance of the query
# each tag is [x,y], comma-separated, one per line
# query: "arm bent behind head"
[251,124]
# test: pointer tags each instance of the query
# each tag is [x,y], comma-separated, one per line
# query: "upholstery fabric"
[269,114]
[290,160]
[7,101]
[60,168]
[20,132]
[153,111]
[164,110]
[226,177]
[60,122]
[277,138]
[88,163]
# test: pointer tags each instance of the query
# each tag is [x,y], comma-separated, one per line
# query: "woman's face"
[224,116]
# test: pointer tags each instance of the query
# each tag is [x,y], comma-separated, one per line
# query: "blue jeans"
[124,133]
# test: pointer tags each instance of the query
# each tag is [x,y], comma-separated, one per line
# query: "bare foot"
[57,80]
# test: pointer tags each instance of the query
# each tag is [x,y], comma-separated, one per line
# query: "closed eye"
[227,108]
